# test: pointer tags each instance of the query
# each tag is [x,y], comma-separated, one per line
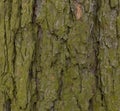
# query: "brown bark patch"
[78,10]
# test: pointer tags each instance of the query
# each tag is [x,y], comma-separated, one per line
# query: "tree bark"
[59,55]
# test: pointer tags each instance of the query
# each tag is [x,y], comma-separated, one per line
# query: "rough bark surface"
[59,55]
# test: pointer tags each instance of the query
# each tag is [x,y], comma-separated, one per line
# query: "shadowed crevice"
[95,35]
[7,105]
[90,107]
[33,79]
[35,9]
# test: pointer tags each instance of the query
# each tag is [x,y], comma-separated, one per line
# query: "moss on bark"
[53,60]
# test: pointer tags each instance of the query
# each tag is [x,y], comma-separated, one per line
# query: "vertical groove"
[6,65]
[15,50]
[7,105]
[34,11]
[96,47]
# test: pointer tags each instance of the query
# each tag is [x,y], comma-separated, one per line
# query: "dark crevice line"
[80,77]
[33,71]
[15,50]
[10,3]
[38,55]
[60,85]
[29,82]
[7,102]
[113,80]
[59,92]
[34,14]
[95,68]
[6,65]
[78,104]
[36,86]
[20,18]
[39,33]
[117,36]
[90,107]
[96,44]
[14,87]
[30,74]
[34,106]
[14,64]
[52,108]
[95,34]
[91,104]
[20,12]
[7,105]
[34,8]
[10,12]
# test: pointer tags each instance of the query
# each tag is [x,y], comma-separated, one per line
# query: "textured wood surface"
[58,56]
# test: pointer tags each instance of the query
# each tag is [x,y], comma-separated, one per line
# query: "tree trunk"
[59,55]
